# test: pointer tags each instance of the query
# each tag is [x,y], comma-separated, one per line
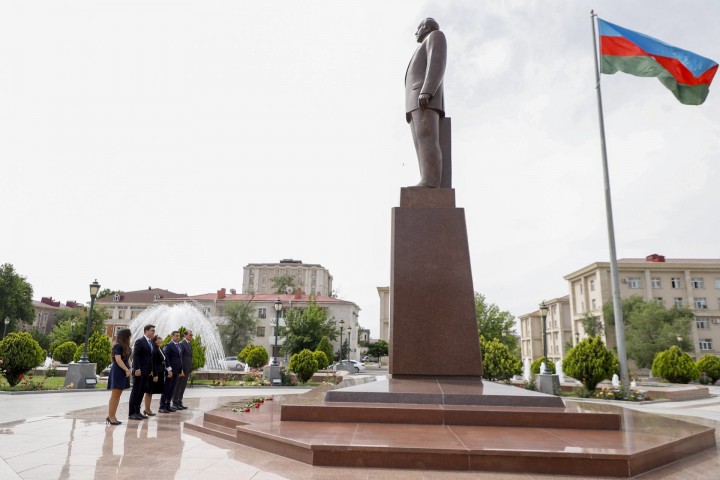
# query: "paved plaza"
[63,436]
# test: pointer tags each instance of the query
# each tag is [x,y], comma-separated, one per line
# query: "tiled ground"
[76,444]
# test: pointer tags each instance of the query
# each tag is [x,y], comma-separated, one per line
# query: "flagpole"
[614,279]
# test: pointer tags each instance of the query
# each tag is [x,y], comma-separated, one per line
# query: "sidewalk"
[63,436]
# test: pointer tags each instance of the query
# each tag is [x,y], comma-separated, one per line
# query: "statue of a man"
[424,102]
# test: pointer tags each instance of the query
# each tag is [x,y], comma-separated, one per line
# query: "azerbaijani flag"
[684,73]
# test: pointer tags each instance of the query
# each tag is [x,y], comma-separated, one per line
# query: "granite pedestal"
[81,376]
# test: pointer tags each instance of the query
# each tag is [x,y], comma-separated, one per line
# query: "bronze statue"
[424,102]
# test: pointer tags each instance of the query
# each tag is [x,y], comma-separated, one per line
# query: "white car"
[359,367]
[232,363]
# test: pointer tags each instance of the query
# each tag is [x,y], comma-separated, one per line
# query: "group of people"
[155,369]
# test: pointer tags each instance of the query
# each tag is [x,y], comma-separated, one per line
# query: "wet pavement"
[63,436]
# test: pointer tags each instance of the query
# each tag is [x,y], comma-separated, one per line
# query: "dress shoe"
[136,416]
[143,416]
[150,413]
[162,410]
[179,406]
[172,409]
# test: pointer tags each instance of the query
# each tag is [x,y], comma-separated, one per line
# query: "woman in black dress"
[157,383]
[119,378]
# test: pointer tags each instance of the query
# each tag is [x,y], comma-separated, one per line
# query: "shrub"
[675,366]
[325,347]
[322,359]
[304,365]
[535,366]
[242,356]
[710,366]
[257,357]
[498,362]
[590,362]
[64,352]
[20,354]
[98,351]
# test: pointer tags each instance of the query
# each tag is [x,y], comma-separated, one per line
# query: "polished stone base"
[585,440]
[548,383]
[81,376]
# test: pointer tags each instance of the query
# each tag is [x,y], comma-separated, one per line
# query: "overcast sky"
[169,144]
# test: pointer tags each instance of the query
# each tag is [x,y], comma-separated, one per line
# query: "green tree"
[326,347]
[675,366]
[242,356]
[306,327]
[106,292]
[304,365]
[42,339]
[240,328]
[64,331]
[20,353]
[590,362]
[651,328]
[592,325]
[322,359]
[495,323]
[98,351]
[535,365]
[65,352]
[498,362]
[257,357]
[343,351]
[284,284]
[15,298]
[709,365]
[378,348]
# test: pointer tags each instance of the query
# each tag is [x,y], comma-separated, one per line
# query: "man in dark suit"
[424,100]
[173,370]
[187,363]
[141,370]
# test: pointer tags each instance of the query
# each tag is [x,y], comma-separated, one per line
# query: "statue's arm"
[435,71]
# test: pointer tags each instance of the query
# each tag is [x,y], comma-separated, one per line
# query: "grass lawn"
[39,382]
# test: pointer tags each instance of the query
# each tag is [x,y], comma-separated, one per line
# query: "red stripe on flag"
[682,74]
[619,46]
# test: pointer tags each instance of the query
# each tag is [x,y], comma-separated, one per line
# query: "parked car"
[368,358]
[357,365]
[232,363]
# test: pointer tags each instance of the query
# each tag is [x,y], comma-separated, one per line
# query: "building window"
[698,282]
[717,283]
[262,312]
[594,304]
[702,323]
[706,344]
[581,289]
[156,297]
[116,298]
[634,282]
[659,301]
[700,302]
[655,282]
[592,285]
[260,332]
[678,302]
[121,314]
[675,282]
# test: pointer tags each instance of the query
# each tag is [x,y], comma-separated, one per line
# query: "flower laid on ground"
[254,403]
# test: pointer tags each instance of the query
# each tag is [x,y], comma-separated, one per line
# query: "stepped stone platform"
[504,434]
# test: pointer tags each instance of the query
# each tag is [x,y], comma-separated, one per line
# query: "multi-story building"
[46,310]
[384,293]
[123,307]
[691,283]
[312,278]
[558,326]
[213,305]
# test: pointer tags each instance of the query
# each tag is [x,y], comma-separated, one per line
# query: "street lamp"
[543,314]
[7,322]
[278,309]
[342,325]
[94,289]
[72,326]
[679,339]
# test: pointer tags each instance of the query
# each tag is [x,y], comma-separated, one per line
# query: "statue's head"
[426,26]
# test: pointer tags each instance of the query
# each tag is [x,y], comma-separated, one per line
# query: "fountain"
[559,371]
[526,370]
[167,318]
[615,380]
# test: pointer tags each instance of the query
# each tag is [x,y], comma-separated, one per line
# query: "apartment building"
[312,278]
[124,307]
[691,283]
[558,331]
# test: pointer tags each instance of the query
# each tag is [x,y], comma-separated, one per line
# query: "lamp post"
[342,325]
[278,309]
[7,322]
[543,315]
[94,289]
[72,326]
[679,339]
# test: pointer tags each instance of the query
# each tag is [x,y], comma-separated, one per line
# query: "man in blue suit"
[141,371]
[173,370]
